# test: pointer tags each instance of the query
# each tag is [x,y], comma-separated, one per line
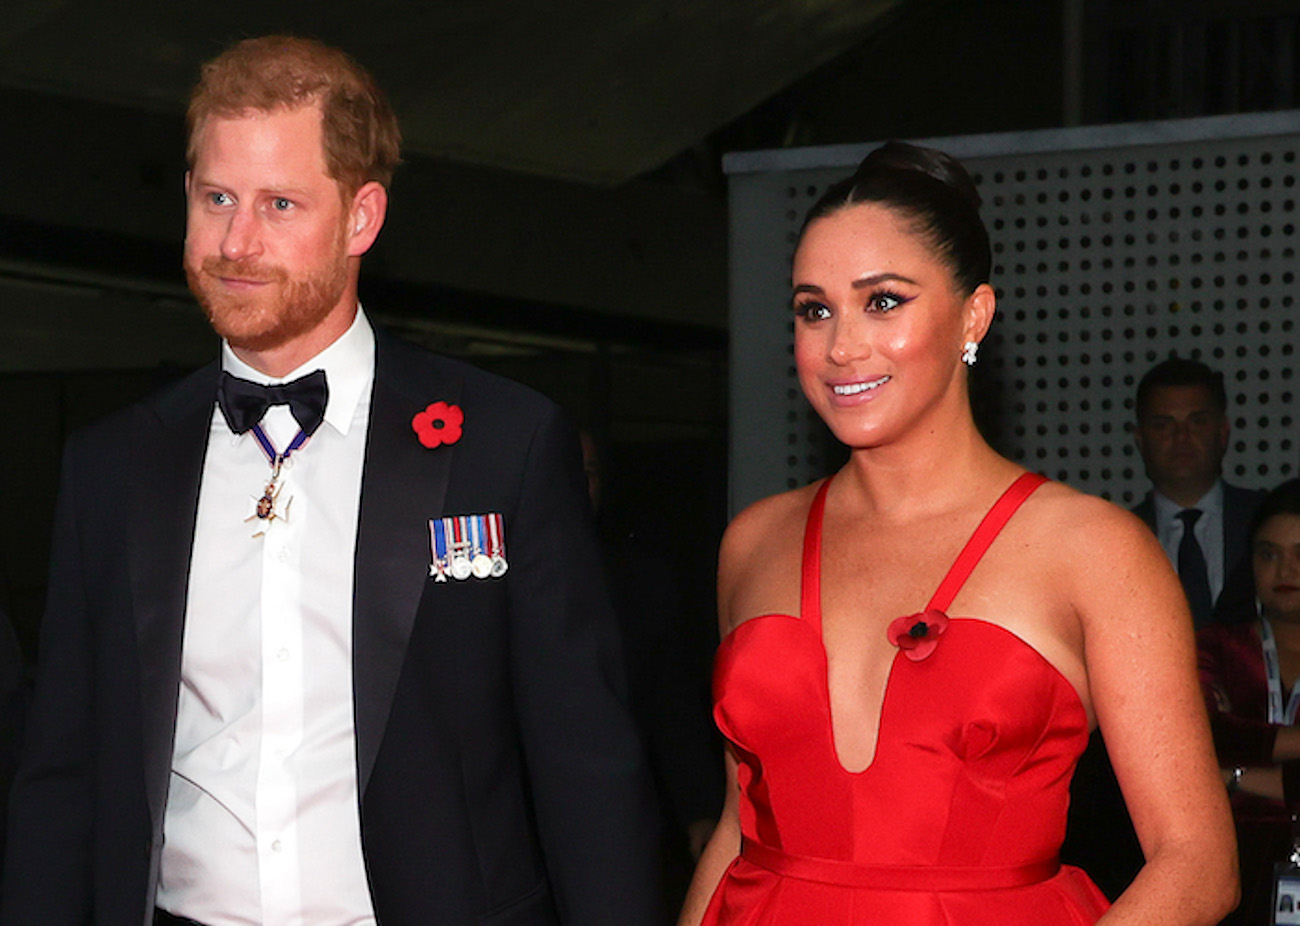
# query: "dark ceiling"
[584,90]
[564,156]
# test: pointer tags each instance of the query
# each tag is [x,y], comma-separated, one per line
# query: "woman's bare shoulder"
[1077,520]
[766,518]
[760,541]
[1095,545]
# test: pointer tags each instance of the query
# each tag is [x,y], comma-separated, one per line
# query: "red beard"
[277,313]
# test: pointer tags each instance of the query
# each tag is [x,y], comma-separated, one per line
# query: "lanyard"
[268,446]
[1277,713]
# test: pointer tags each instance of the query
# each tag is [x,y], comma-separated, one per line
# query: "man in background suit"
[1182,433]
[326,640]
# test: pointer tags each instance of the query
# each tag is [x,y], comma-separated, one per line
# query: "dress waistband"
[897,877]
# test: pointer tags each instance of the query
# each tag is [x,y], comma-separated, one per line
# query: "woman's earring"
[969,352]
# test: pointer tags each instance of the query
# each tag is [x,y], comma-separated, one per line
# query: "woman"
[1250,673]
[914,769]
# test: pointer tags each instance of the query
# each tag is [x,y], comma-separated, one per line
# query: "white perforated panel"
[1113,249]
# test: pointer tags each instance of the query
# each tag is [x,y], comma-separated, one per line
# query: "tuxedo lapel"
[168,446]
[403,486]
[1237,512]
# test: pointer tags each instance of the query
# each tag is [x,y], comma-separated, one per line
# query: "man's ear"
[366,216]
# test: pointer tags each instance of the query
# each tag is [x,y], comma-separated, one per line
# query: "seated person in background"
[1250,674]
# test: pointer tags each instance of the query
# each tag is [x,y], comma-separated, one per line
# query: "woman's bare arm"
[1141,661]
[721,851]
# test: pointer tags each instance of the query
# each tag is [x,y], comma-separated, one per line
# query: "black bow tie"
[243,403]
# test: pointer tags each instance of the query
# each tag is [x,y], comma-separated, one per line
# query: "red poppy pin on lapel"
[438,424]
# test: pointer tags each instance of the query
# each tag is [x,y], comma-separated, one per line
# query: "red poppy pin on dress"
[438,424]
[917,635]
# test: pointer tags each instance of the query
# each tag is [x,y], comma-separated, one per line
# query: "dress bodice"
[969,785]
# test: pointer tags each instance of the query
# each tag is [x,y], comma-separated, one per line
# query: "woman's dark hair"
[1285,499]
[929,188]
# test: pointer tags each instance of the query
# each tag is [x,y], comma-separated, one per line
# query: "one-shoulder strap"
[810,583]
[984,535]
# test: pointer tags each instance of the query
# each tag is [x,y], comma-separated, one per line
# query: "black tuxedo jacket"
[501,781]
[1237,599]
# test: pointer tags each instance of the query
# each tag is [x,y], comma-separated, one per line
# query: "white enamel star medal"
[267,508]
[272,505]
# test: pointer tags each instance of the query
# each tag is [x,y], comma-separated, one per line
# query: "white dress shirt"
[262,823]
[1208,531]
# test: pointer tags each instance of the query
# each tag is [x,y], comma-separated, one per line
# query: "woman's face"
[879,325]
[1277,566]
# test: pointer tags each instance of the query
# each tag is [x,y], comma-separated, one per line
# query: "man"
[1182,433]
[347,663]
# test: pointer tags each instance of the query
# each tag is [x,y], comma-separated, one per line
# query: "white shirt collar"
[1210,504]
[349,365]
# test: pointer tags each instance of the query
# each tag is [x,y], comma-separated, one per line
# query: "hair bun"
[935,164]
[930,189]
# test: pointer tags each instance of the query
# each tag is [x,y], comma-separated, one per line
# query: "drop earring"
[969,353]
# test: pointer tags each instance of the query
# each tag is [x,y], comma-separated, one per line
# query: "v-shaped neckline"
[981,539]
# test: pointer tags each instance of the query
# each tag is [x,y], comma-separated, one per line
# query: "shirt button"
[282,655]
[276,846]
[282,554]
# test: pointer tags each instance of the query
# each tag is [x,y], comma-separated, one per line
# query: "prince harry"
[325,642]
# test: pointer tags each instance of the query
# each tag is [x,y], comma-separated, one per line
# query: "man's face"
[1182,436]
[266,229]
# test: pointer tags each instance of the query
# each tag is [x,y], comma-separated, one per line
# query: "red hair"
[359,130]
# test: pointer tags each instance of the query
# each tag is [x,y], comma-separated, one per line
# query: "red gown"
[959,817]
